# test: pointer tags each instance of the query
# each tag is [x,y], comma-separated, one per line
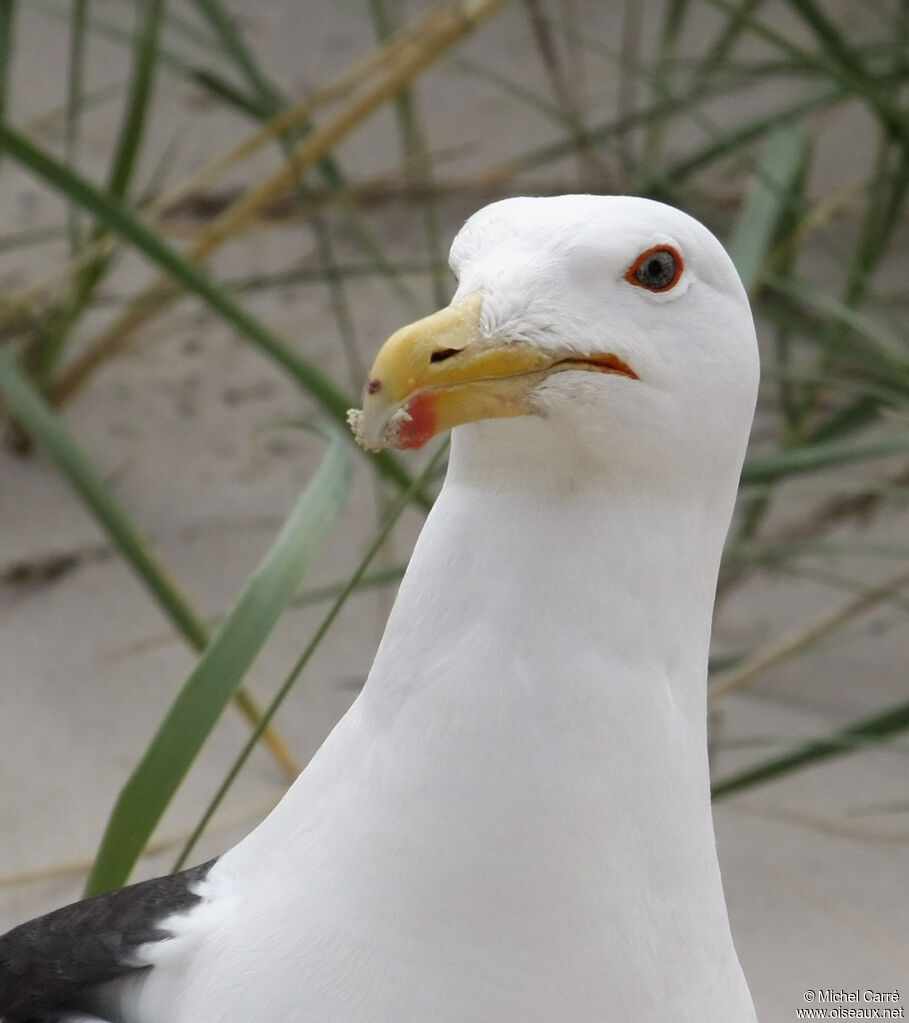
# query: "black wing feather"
[47,962]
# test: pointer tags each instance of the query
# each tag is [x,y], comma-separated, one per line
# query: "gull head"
[614,327]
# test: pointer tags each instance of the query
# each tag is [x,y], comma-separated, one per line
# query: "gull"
[512,822]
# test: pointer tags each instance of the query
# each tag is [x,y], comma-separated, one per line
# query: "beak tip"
[355,420]
[375,430]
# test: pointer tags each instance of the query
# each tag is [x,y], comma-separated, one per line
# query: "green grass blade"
[7,27]
[763,469]
[32,414]
[227,92]
[239,54]
[827,33]
[418,159]
[771,200]
[270,102]
[729,34]
[661,80]
[887,191]
[745,14]
[113,32]
[352,584]
[75,89]
[853,738]
[732,143]
[886,195]
[126,152]
[42,425]
[49,120]
[186,273]
[220,671]
[263,103]
[858,414]
[533,101]
[306,275]
[840,55]
[185,29]
[132,127]
[372,580]
[879,349]
[767,202]
[726,144]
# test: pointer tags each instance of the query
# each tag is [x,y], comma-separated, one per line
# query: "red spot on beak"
[421,426]
[374,386]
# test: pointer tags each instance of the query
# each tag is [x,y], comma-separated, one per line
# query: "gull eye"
[657,269]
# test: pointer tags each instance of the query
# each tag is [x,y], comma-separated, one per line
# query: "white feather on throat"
[512,823]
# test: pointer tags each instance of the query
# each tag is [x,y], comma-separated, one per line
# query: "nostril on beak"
[443,354]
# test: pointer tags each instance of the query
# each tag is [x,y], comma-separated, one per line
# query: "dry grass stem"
[411,53]
[862,505]
[796,641]
[166,843]
[250,709]
[286,121]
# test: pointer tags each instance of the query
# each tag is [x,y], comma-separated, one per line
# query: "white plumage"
[512,823]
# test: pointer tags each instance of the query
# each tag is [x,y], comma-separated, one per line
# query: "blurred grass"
[33,415]
[7,47]
[341,595]
[118,218]
[220,671]
[718,110]
[43,356]
[74,101]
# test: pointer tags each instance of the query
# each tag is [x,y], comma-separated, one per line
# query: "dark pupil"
[658,271]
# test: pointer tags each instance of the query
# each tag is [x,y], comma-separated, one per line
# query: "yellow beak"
[440,372]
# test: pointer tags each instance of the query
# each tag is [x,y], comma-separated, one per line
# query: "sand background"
[186,427]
